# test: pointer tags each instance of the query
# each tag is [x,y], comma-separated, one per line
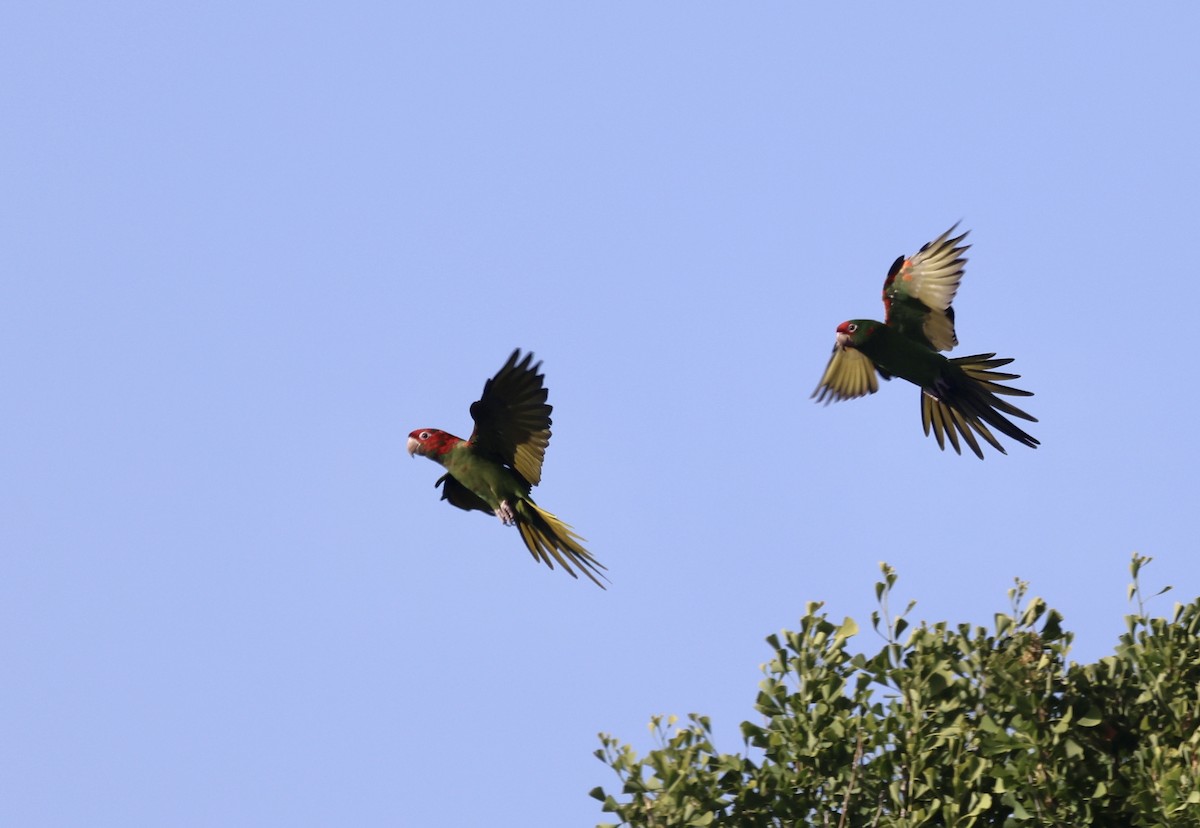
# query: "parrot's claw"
[506,514]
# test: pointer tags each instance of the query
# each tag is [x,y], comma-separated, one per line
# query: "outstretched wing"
[918,291]
[849,374]
[512,418]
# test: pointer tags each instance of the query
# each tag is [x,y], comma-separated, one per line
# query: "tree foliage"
[944,726]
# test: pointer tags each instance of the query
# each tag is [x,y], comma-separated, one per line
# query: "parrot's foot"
[942,391]
[506,514]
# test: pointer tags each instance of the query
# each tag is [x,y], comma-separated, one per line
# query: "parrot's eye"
[424,435]
[851,328]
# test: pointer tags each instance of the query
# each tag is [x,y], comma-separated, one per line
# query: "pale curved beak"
[413,445]
[843,342]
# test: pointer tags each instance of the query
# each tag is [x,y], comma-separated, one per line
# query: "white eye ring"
[852,327]
[424,435]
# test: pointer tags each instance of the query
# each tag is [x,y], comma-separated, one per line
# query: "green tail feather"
[971,403]
[550,540]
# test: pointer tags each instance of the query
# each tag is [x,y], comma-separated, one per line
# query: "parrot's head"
[430,442]
[855,332]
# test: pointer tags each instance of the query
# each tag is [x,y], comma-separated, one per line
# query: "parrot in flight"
[494,470]
[958,396]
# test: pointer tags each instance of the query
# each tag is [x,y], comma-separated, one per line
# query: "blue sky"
[248,248]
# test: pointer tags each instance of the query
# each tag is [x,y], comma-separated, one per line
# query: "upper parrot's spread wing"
[459,495]
[512,418]
[918,291]
[850,374]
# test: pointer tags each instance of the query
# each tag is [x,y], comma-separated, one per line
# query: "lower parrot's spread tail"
[969,402]
[549,540]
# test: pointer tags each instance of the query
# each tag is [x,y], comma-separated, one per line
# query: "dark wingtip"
[895,268]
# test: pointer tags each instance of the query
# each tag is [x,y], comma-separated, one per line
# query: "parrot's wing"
[460,496]
[919,289]
[512,417]
[849,374]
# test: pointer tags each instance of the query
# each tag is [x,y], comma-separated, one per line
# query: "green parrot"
[495,469]
[958,396]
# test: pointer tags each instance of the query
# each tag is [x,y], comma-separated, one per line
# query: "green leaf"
[967,728]
[983,802]
[1018,810]
[1052,631]
[1135,566]
[848,629]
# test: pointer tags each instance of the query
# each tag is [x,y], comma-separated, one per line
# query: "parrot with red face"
[958,396]
[495,469]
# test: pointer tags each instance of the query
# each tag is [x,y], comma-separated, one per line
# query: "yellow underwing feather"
[849,374]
